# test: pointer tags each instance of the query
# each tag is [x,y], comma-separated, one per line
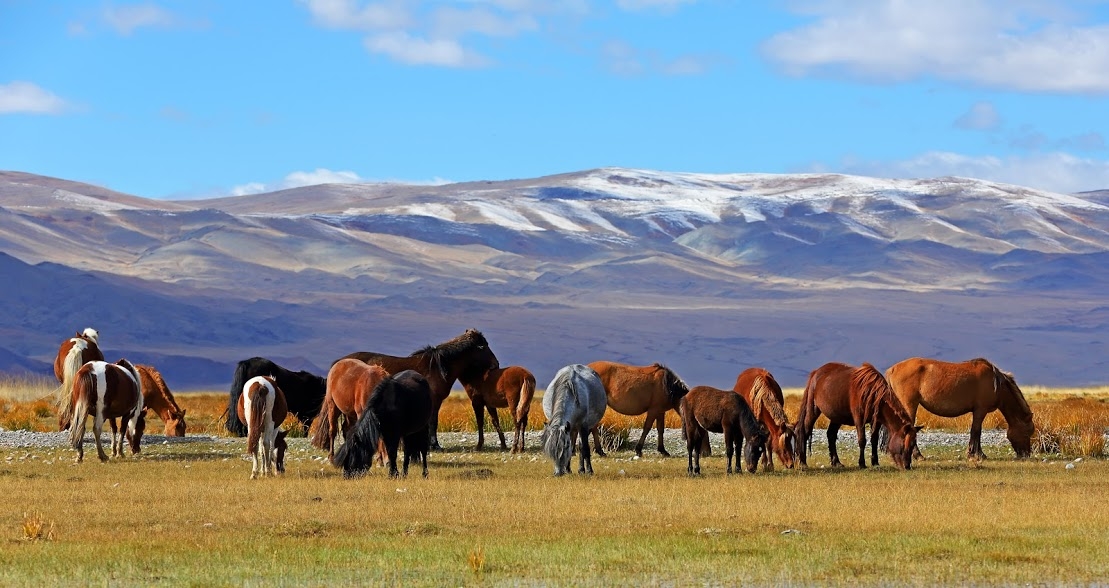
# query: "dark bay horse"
[763,394]
[574,403]
[158,398]
[513,388]
[634,390]
[107,391]
[349,385]
[706,409]
[263,408]
[466,356]
[304,392]
[859,396]
[400,407]
[954,389]
[72,354]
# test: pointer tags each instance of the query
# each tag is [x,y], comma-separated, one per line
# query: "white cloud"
[450,22]
[1028,46]
[319,176]
[1056,171]
[982,116]
[402,47]
[346,14]
[623,59]
[664,5]
[125,19]
[27,98]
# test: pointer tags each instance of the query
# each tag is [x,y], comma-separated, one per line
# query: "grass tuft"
[476,561]
[35,527]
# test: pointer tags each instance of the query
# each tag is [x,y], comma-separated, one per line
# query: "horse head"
[784,446]
[90,334]
[902,444]
[175,424]
[1018,416]
[556,443]
[755,446]
[676,389]
[135,438]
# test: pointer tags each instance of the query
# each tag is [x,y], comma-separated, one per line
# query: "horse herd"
[376,401]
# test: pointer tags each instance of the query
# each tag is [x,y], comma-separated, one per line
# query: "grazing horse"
[763,394]
[400,407]
[73,354]
[304,391]
[109,391]
[513,388]
[263,408]
[157,397]
[634,390]
[574,403]
[954,389]
[467,356]
[349,385]
[706,409]
[860,396]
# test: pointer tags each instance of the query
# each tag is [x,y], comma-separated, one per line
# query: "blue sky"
[205,98]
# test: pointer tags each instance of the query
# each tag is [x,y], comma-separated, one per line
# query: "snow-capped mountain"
[648,257]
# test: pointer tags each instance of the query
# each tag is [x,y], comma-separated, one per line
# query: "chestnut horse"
[763,394]
[157,397]
[466,356]
[860,396]
[954,389]
[262,407]
[109,391]
[349,385]
[706,409]
[574,403]
[634,390]
[73,354]
[400,407]
[513,388]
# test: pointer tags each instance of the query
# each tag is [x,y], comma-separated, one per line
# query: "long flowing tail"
[320,432]
[233,424]
[803,440]
[527,392]
[70,365]
[256,417]
[79,403]
[357,454]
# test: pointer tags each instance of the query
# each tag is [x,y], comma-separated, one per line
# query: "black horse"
[400,407]
[304,391]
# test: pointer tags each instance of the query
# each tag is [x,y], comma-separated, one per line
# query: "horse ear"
[183,412]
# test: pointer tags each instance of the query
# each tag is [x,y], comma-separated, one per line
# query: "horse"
[158,398]
[954,389]
[466,356]
[109,391]
[513,388]
[263,408]
[400,407]
[634,390]
[574,403]
[860,396]
[72,354]
[706,409]
[764,396]
[304,391]
[349,385]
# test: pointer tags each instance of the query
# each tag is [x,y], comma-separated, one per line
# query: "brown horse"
[513,388]
[466,356]
[634,390]
[954,389]
[158,398]
[763,394]
[72,354]
[108,391]
[349,385]
[860,396]
[262,407]
[706,409]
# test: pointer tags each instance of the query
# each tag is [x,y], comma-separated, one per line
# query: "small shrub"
[476,560]
[294,427]
[36,528]
[613,439]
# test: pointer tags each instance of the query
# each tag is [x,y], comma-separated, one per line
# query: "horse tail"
[527,392]
[320,432]
[233,424]
[255,416]
[357,454]
[808,404]
[70,366]
[83,387]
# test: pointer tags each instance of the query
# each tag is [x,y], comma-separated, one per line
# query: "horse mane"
[876,391]
[90,334]
[1014,399]
[749,425]
[676,388]
[439,356]
[163,389]
[762,398]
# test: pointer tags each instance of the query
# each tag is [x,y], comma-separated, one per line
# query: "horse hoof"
[663,452]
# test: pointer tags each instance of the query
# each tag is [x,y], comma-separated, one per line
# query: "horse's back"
[945,388]
[630,389]
[576,395]
[830,387]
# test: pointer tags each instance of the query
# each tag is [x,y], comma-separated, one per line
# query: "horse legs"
[267,455]
[643,437]
[496,424]
[874,430]
[280,446]
[729,449]
[860,432]
[521,431]
[833,434]
[433,429]
[660,424]
[585,463]
[804,435]
[974,451]
[117,444]
[597,442]
[479,419]
[97,430]
[391,448]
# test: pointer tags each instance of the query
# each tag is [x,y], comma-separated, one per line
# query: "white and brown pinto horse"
[72,354]
[107,391]
[262,407]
